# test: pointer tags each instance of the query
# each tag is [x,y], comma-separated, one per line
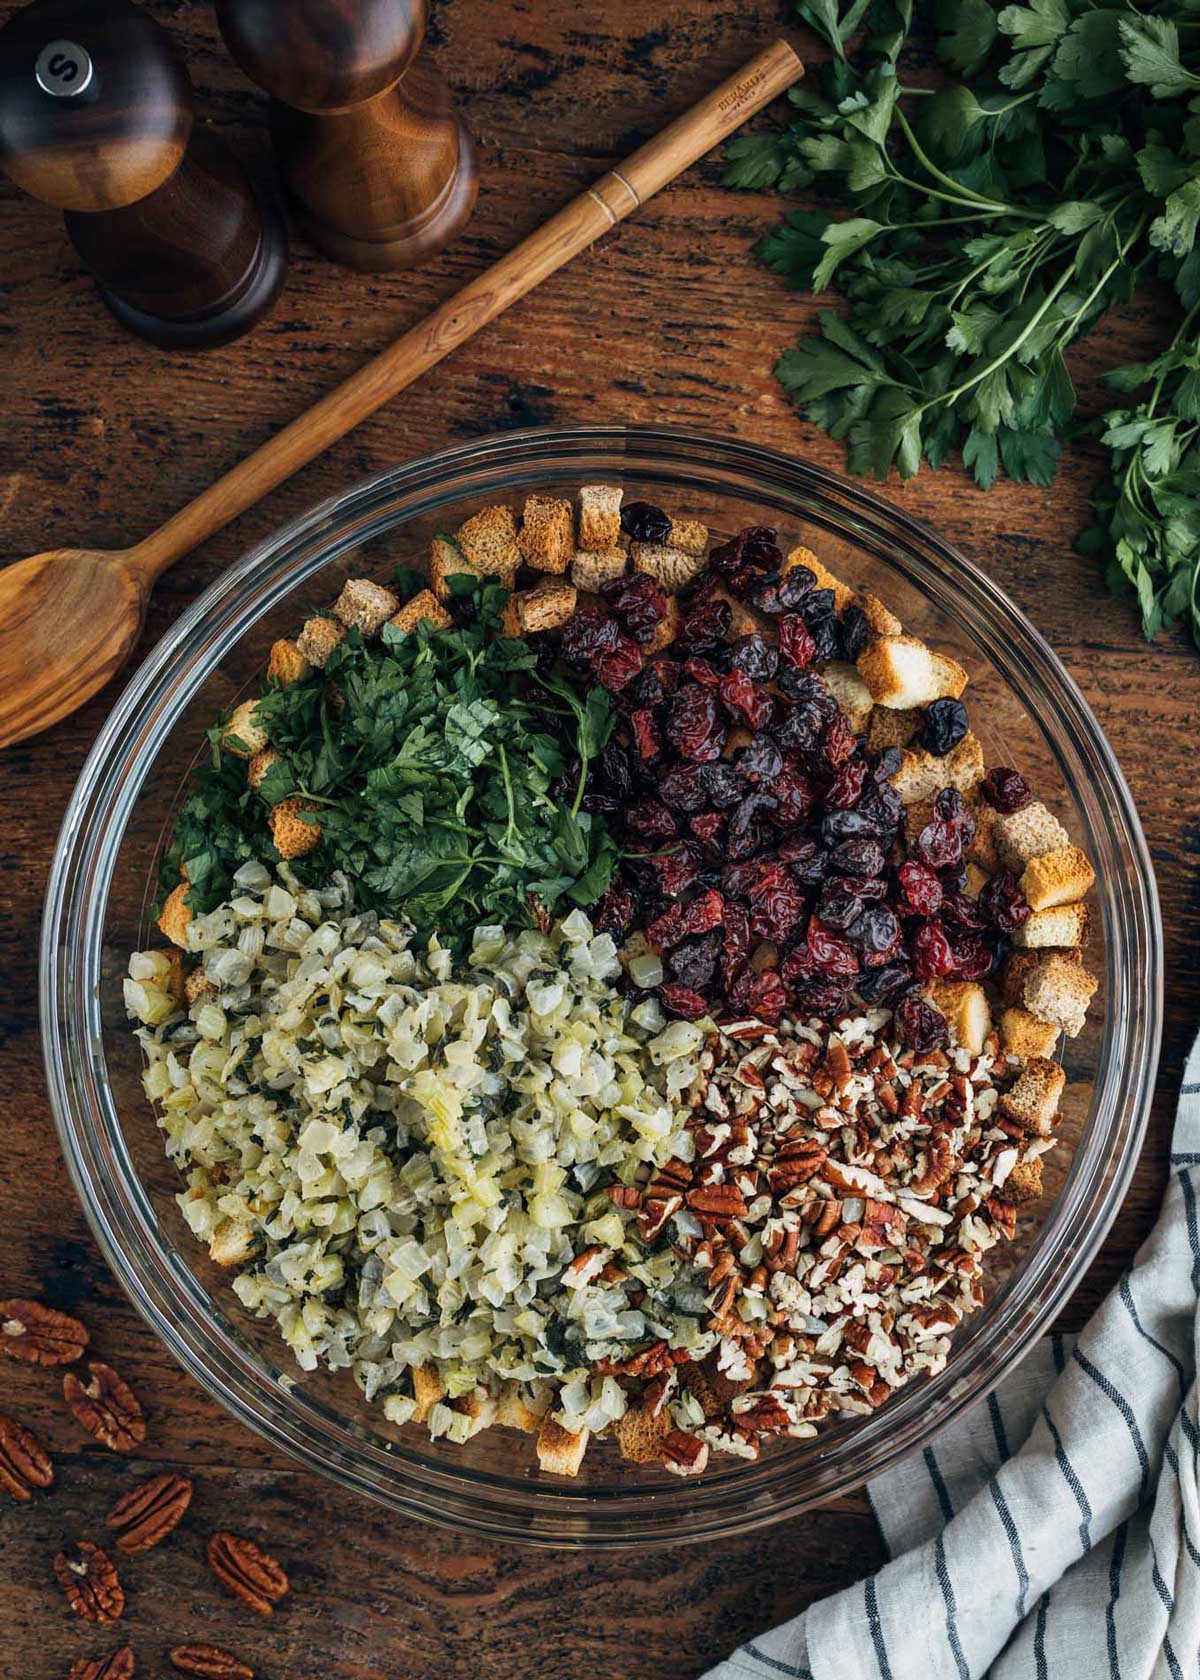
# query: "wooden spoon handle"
[574,228]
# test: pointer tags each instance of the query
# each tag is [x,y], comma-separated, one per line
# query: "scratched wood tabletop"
[101,437]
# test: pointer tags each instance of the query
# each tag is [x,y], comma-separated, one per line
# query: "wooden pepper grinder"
[379,166]
[96,118]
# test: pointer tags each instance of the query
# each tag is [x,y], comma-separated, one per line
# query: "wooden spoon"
[69,617]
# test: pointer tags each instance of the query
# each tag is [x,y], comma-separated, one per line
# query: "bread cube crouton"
[691,535]
[318,639]
[1024,1182]
[1018,966]
[196,986]
[1059,990]
[559,1452]
[977,879]
[422,609]
[842,592]
[286,664]
[922,775]
[1066,924]
[881,621]
[1061,877]
[591,570]
[742,619]
[515,1410]
[673,568]
[982,850]
[259,765]
[902,672]
[544,607]
[233,1242]
[640,1434]
[547,539]
[243,735]
[851,693]
[965,1007]
[175,985]
[364,606]
[427,1391]
[293,836]
[1022,1034]
[1028,833]
[1032,1100]
[489,541]
[599,516]
[665,631]
[892,727]
[447,560]
[175,915]
[479,1406]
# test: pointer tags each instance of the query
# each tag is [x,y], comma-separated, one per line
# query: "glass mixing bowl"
[1027,712]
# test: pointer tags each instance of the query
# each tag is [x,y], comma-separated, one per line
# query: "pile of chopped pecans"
[844,1193]
[107,1408]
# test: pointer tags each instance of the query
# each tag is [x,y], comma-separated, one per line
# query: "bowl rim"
[161,1285]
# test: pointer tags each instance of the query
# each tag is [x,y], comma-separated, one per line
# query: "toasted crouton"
[673,568]
[1059,990]
[590,570]
[1066,924]
[850,692]
[1061,877]
[1028,833]
[559,1452]
[1032,1100]
[286,664]
[243,735]
[447,560]
[233,1242]
[981,849]
[1022,1034]
[196,986]
[175,915]
[364,606]
[1018,966]
[293,836]
[259,765]
[640,1434]
[489,541]
[964,764]
[691,535]
[422,609]
[902,672]
[920,775]
[842,593]
[965,1007]
[1024,1182]
[547,539]
[892,727]
[665,631]
[880,619]
[174,985]
[516,1410]
[427,1391]
[599,516]
[318,639]
[479,1406]
[544,607]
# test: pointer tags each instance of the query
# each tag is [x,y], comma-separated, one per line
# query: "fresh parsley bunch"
[437,764]
[995,217]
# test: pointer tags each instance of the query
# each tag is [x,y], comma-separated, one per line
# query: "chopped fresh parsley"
[436,763]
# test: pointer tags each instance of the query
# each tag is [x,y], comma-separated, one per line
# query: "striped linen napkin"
[1053,1533]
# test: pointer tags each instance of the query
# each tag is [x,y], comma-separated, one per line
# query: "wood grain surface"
[101,437]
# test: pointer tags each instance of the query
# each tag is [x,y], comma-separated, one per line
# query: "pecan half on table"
[24,1462]
[210,1663]
[147,1513]
[246,1571]
[119,1666]
[106,1407]
[39,1335]
[90,1582]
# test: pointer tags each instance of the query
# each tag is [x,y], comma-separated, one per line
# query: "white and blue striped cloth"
[1054,1532]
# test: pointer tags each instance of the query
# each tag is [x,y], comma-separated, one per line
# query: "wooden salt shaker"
[380,168]
[96,118]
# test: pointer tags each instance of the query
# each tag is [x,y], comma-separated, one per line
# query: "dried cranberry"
[614,912]
[881,808]
[694,962]
[767,997]
[823,999]
[761,761]
[837,826]
[808,861]
[944,727]
[702,671]
[591,630]
[705,626]
[722,785]
[923,1026]
[745,835]
[885,764]
[918,889]
[709,829]
[940,842]
[639,602]
[965,911]
[650,819]
[644,522]
[884,985]
[675,871]
[756,657]
[973,957]
[765,595]
[840,903]
[1006,791]
[615,773]
[856,632]
[796,643]
[682,789]
[807,689]
[736,930]
[759,547]
[647,688]
[779,912]
[693,726]
[744,699]
[847,786]
[645,735]
[683,1002]
[827,637]
[795,585]
[876,931]
[1003,903]
[931,952]
[801,731]
[858,857]
[791,796]
[614,669]
[823,953]
[837,743]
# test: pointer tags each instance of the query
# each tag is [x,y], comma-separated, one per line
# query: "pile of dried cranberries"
[767,856]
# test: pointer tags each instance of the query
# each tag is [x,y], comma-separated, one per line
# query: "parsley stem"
[962,195]
[1005,355]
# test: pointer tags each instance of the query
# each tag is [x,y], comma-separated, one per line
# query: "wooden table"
[100,437]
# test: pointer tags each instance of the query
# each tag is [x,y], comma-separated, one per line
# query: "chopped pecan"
[685,1454]
[656,1210]
[837,1064]
[717,1201]
[40,1335]
[24,1462]
[246,1571]
[106,1407]
[210,1662]
[147,1513]
[672,1175]
[119,1666]
[780,1250]
[90,1582]
[795,1163]
[624,1195]
[766,1416]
